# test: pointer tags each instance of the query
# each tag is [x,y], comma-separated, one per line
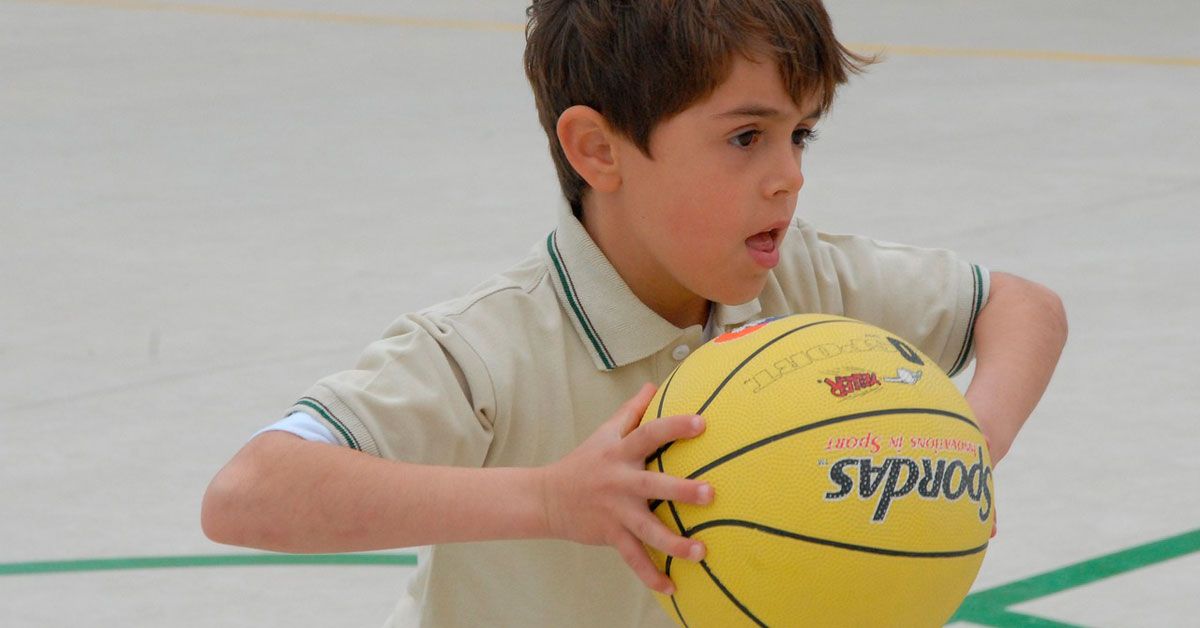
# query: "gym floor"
[205,206]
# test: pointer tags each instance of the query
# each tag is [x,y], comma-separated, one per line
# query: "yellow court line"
[1039,55]
[510,27]
[290,14]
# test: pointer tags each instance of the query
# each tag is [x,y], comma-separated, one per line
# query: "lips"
[764,248]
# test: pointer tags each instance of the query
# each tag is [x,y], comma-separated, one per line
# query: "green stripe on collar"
[568,287]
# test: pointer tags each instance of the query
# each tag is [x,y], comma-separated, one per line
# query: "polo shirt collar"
[611,321]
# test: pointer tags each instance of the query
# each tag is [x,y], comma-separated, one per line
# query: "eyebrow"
[763,111]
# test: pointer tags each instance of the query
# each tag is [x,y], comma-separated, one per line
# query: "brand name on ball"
[809,356]
[897,477]
[843,385]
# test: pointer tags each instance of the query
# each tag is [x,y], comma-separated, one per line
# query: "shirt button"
[680,352]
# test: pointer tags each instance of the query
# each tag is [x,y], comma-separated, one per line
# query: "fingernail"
[706,493]
[696,554]
[697,423]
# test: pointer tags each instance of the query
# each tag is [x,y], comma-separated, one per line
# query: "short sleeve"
[420,394]
[929,297]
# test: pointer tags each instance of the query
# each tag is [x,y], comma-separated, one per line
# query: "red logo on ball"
[843,385]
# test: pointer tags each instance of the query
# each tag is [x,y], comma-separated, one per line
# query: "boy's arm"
[283,493]
[286,494]
[1019,336]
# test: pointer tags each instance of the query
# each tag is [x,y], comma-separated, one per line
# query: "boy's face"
[703,220]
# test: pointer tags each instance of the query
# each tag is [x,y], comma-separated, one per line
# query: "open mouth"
[764,247]
[764,241]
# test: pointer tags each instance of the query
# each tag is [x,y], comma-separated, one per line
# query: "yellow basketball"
[852,484]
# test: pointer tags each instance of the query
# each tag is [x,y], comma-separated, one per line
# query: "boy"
[677,130]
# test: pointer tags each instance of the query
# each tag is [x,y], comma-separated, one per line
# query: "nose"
[786,175]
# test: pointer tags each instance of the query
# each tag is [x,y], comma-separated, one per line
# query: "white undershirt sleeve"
[303,425]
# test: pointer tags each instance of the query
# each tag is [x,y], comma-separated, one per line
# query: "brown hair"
[638,62]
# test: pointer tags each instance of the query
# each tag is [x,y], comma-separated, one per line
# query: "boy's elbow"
[228,510]
[1041,304]
[218,511]
[1055,313]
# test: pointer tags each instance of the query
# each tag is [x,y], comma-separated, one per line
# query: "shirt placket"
[677,351]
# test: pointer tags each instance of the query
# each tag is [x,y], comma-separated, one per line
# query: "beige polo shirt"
[525,367]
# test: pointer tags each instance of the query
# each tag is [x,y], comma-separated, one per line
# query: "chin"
[741,293]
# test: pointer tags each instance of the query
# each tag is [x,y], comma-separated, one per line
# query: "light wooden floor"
[205,206]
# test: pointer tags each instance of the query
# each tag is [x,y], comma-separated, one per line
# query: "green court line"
[232,560]
[990,606]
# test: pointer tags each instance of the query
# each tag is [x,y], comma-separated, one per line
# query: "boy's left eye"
[802,136]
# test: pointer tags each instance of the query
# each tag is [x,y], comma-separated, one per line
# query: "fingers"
[652,485]
[630,413]
[653,533]
[635,556]
[642,529]
[646,439]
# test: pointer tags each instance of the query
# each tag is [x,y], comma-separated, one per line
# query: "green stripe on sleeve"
[976,305]
[338,425]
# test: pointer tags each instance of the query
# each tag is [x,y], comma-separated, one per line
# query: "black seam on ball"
[819,424]
[661,399]
[759,350]
[715,392]
[683,531]
[729,594]
[738,523]
[678,613]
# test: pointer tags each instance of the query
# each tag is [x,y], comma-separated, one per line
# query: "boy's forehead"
[754,88]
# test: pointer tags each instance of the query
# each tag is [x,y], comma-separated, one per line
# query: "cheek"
[710,207]
[703,212]
[720,185]
[693,203]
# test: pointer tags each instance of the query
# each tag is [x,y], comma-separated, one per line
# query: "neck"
[650,283]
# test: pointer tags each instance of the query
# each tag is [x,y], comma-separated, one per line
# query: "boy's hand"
[598,493]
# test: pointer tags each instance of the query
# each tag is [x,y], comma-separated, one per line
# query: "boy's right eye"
[746,139]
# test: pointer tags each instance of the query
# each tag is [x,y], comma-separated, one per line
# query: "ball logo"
[843,385]
[898,476]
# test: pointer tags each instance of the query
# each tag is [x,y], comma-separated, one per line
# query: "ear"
[587,141]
